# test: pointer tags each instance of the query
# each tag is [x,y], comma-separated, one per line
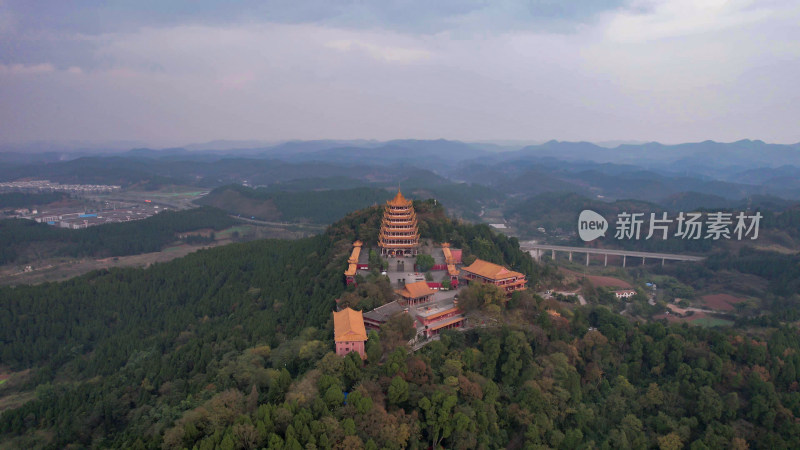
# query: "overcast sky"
[174,72]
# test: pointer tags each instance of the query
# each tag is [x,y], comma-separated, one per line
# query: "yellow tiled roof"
[353,260]
[444,324]
[491,271]
[448,258]
[399,200]
[348,325]
[415,290]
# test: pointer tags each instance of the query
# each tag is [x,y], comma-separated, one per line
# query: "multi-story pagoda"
[399,234]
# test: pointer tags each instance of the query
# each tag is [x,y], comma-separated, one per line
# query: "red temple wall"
[345,347]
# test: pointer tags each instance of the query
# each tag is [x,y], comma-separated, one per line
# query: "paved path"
[309,226]
[681,310]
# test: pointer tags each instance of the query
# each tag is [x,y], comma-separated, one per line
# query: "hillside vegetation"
[232,348]
[294,202]
[22,240]
[20,199]
[325,206]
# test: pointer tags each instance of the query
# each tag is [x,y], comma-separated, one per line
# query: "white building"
[625,293]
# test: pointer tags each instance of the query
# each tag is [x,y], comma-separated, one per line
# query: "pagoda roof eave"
[399,200]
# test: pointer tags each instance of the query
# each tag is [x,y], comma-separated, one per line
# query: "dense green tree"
[19,236]
[334,397]
[373,347]
[233,346]
[424,262]
[439,419]
[398,391]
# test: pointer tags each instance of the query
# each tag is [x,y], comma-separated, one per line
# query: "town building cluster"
[69,218]
[49,186]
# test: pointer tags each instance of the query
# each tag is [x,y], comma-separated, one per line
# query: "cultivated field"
[721,302]
[598,280]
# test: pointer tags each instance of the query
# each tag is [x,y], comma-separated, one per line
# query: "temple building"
[451,258]
[352,263]
[380,315]
[399,235]
[349,332]
[436,318]
[416,293]
[486,272]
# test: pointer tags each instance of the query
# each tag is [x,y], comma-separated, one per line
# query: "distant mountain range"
[496,175]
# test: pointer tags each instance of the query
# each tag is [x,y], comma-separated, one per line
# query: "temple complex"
[416,293]
[349,332]
[432,307]
[399,235]
[487,272]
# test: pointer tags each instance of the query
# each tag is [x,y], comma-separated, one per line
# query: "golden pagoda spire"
[399,200]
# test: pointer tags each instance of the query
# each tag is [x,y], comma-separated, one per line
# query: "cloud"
[662,19]
[669,71]
[384,53]
[22,69]
[406,16]
[237,80]
[7,25]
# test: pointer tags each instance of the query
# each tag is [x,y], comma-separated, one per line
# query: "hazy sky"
[174,72]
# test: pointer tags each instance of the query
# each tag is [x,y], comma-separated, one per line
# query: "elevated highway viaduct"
[537,250]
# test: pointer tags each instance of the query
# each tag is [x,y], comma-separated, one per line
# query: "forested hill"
[20,199]
[19,237]
[294,202]
[231,348]
[324,207]
[117,356]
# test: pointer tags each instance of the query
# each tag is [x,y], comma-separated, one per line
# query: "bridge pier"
[624,257]
[570,256]
[553,255]
[587,259]
[643,260]
[662,262]
[605,260]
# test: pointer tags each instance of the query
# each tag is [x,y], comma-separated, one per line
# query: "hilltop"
[231,347]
